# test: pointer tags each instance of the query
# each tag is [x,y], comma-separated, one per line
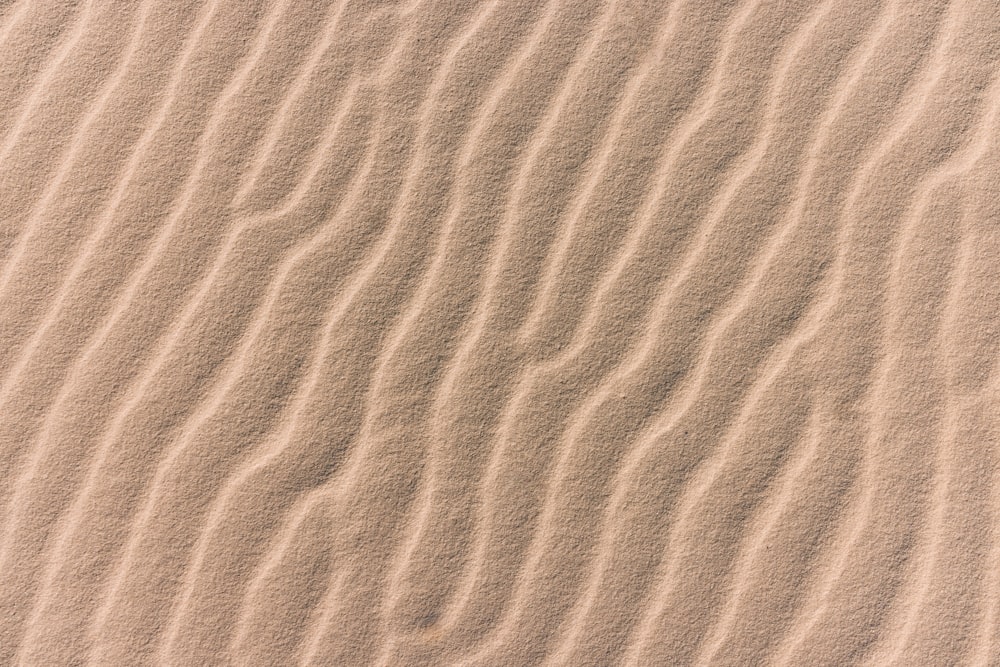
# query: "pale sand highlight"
[511,332]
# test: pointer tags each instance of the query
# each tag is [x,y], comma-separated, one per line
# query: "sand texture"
[496,333]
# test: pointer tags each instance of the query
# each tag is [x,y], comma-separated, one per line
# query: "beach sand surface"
[497,333]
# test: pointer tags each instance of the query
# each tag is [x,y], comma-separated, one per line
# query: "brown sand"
[512,332]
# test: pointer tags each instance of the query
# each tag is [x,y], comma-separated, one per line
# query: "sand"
[499,333]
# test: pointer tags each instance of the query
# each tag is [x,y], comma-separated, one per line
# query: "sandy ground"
[499,332]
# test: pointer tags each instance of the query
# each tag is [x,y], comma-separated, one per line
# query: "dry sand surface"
[499,332]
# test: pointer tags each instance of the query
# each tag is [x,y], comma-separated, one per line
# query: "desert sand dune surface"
[497,333]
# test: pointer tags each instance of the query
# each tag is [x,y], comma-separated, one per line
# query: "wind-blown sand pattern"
[512,332]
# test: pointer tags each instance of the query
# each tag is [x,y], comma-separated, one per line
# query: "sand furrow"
[424,595]
[423,333]
[238,371]
[396,418]
[890,478]
[613,411]
[128,321]
[30,191]
[387,254]
[547,405]
[811,182]
[923,279]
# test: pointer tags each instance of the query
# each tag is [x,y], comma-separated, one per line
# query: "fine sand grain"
[499,333]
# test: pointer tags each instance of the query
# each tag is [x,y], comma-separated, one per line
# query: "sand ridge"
[508,332]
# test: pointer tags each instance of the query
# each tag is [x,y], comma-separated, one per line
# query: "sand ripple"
[511,332]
